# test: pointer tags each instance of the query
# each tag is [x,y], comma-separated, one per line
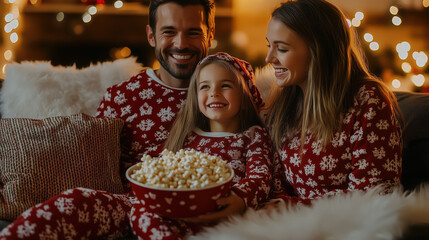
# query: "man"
[181,31]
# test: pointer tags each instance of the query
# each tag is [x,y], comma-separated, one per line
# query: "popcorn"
[187,169]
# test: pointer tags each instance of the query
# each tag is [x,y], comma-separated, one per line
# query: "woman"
[333,123]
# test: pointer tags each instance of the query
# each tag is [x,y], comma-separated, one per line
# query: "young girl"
[332,122]
[220,117]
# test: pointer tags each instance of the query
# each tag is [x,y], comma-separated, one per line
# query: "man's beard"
[182,71]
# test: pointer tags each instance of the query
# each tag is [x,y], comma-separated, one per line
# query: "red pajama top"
[148,108]
[364,153]
[249,153]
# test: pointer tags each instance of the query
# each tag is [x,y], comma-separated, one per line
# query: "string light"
[118,4]
[396,83]
[393,10]
[418,80]
[396,21]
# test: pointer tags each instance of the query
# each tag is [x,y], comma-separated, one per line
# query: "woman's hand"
[233,204]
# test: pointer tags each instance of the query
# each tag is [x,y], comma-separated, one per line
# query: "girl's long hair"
[337,70]
[190,117]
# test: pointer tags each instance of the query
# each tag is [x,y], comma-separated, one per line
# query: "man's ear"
[150,35]
[211,36]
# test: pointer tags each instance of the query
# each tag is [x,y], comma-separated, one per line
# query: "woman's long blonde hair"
[190,117]
[337,70]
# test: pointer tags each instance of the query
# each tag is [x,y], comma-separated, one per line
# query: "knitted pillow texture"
[42,158]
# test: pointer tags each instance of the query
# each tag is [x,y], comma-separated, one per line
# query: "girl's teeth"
[280,70]
[216,105]
[181,56]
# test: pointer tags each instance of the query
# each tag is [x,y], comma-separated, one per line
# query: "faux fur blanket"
[354,216]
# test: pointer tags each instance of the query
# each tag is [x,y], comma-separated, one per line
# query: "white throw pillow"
[39,90]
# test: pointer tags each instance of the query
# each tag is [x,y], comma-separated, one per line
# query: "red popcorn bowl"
[179,203]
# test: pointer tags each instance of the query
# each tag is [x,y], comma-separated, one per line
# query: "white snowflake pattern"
[133,86]
[165,114]
[131,118]
[65,205]
[26,229]
[120,98]
[110,112]
[374,172]
[394,140]
[107,96]
[166,92]
[359,152]
[238,143]
[295,160]
[393,165]
[357,136]
[317,147]
[237,165]
[370,114]
[328,163]
[125,110]
[362,164]
[339,139]
[309,169]
[382,125]
[347,155]
[161,134]
[181,104]
[259,169]
[145,109]
[294,143]
[379,153]
[161,233]
[372,137]
[146,125]
[170,99]
[146,94]
[338,179]
[159,100]
[234,154]
[203,142]
[310,182]
[144,221]
[44,213]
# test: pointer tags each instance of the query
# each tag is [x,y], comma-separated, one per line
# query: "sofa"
[37,95]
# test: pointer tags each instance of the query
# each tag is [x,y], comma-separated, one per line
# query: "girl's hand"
[274,203]
[233,204]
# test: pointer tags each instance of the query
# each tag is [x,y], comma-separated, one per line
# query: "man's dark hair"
[209,9]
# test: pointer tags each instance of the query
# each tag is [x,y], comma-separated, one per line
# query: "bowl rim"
[128,172]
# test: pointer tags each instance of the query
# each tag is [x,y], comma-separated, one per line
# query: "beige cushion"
[41,158]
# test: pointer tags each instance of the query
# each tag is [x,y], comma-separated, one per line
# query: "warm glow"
[240,39]
[396,83]
[86,18]
[8,55]
[3,69]
[403,55]
[403,47]
[396,21]
[368,37]
[406,67]
[125,52]
[214,44]
[425,3]
[34,2]
[374,46]
[14,37]
[421,58]
[8,17]
[156,65]
[418,80]
[118,4]
[78,29]
[92,10]
[11,1]
[359,15]
[60,16]
[393,10]
[356,22]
